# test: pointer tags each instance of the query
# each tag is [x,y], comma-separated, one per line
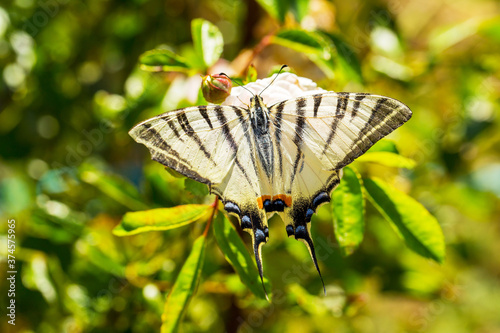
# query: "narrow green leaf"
[301,41]
[207,40]
[348,211]
[160,219]
[276,8]
[388,159]
[162,60]
[299,8]
[312,44]
[237,255]
[184,287]
[420,230]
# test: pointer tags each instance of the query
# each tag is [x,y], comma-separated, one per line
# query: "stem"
[258,49]
[209,223]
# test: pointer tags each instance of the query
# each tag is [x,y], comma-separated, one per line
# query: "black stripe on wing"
[229,137]
[342,101]
[184,123]
[203,111]
[355,108]
[277,133]
[317,102]
[299,128]
[162,152]
[385,117]
[245,124]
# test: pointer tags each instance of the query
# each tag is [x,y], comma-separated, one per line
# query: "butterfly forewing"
[339,127]
[199,142]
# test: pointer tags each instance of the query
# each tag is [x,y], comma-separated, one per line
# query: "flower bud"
[216,88]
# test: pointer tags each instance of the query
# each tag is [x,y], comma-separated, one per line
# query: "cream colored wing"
[338,127]
[193,141]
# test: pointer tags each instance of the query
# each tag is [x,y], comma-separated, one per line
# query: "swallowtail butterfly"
[285,158]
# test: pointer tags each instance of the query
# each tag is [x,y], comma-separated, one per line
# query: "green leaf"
[348,211]
[491,28]
[448,36]
[113,186]
[299,8]
[160,219]
[162,60]
[312,44]
[301,41]
[251,74]
[387,159]
[384,145]
[184,288]
[276,8]
[237,255]
[14,194]
[207,40]
[420,230]
[279,8]
[195,187]
[347,60]
[309,303]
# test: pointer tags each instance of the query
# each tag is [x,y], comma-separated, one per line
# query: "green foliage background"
[72,86]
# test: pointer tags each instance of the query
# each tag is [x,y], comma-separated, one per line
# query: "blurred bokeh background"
[71,88]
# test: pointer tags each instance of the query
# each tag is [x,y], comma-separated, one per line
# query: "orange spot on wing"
[287,199]
[260,200]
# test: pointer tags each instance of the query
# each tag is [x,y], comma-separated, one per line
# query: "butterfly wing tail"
[254,221]
[260,235]
[302,233]
[258,240]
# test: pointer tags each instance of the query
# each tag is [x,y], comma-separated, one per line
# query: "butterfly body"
[259,116]
[284,159]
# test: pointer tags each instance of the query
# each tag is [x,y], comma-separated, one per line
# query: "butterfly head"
[257,104]
[259,114]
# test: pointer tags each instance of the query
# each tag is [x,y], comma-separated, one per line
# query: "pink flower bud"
[216,88]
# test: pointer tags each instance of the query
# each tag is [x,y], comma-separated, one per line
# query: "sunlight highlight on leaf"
[310,43]
[388,159]
[161,219]
[207,40]
[275,8]
[162,60]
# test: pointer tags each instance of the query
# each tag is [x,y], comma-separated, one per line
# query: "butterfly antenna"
[238,83]
[279,72]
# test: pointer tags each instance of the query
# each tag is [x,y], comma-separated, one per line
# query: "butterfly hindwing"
[314,137]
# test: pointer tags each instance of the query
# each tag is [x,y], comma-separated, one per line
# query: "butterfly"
[262,160]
